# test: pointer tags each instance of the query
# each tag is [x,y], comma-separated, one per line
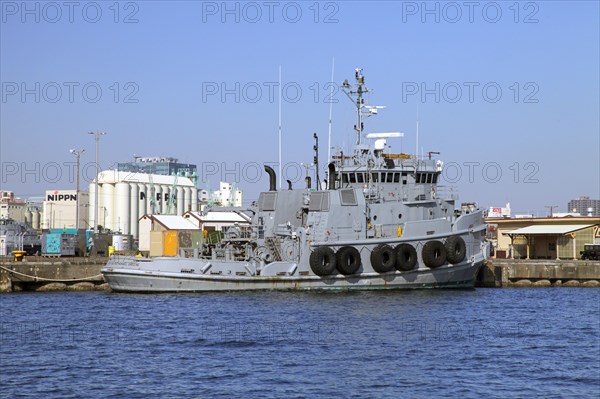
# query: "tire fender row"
[324,261]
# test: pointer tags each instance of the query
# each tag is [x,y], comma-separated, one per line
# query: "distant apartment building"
[12,207]
[228,195]
[585,206]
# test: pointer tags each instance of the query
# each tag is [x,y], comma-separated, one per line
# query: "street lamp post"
[97,135]
[77,154]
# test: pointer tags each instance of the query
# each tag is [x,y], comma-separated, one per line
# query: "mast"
[280,89]
[330,112]
[361,88]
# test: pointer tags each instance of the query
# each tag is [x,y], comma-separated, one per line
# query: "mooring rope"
[50,279]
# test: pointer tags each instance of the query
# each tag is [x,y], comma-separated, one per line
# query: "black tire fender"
[322,261]
[347,260]
[383,258]
[406,257]
[434,254]
[456,250]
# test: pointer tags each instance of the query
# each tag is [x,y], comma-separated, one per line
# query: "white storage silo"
[157,199]
[35,219]
[150,192]
[134,208]
[142,203]
[180,195]
[106,210]
[187,199]
[122,213]
[164,199]
[194,199]
[92,206]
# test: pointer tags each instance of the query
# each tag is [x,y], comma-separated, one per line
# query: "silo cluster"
[124,197]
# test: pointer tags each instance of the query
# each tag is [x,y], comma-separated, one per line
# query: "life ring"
[347,260]
[322,261]
[434,254]
[383,258]
[406,257]
[456,250]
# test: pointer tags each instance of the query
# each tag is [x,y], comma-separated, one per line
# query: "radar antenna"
[356,96]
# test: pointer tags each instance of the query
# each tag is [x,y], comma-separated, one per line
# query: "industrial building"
[124,197]
[227,195]
[166,166]
[59,210]
[12,207]
[544,238]
[585,206]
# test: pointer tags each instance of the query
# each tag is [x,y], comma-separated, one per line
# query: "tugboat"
[379,223]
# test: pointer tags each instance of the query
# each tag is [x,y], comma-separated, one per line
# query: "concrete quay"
[83,274]
[52,274]
[501,273]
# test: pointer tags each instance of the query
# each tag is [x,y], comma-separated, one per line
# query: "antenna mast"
[417,147]
[280,89]
[330,111]
[361,88]
[316,160]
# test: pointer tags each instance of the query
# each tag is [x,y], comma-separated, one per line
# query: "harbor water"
[431,343]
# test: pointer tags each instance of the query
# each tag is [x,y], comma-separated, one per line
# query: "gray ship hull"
[125,279]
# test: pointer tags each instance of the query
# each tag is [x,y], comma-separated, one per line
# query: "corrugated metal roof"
[221,216]
[175,222]
[549,229]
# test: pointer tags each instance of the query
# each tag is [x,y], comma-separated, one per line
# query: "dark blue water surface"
[473,343]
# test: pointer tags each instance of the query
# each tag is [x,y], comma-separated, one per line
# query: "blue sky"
[512,91]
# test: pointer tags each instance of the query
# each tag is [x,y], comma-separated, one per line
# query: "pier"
[501,273]
[83,274]
[47,274]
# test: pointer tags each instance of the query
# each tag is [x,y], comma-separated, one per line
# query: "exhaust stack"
[272,178]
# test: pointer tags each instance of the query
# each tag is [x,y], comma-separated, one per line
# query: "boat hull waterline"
[128,280]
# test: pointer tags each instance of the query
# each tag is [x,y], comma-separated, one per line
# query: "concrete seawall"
[43,274]
[539,273]
[83,274]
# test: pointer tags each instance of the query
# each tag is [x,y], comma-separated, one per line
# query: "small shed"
[172,224]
